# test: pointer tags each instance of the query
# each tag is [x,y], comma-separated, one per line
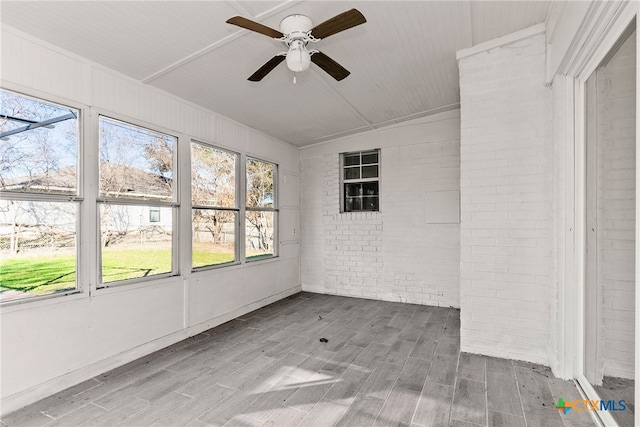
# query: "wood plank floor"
[383,364]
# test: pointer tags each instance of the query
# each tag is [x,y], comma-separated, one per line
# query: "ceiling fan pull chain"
[294,78]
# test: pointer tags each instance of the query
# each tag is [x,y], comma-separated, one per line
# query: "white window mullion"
[242,216]
[183,197]
[240,202]
[88,255]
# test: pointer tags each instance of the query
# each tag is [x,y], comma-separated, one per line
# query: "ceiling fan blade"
[334,69]
[266,68]
[338,23]
[254,26]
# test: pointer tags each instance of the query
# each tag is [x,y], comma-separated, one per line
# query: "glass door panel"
[609,294]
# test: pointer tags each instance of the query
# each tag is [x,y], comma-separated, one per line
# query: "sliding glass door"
[609,295]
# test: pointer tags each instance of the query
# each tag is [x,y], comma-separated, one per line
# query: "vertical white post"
[637,266]
[89,251]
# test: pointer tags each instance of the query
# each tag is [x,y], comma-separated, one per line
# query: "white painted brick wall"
[616,209]
[421,260]
[393,254]
[507,209]
[352,256]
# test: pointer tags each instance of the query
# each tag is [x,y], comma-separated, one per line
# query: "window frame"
[237,208]
[344,181]
[274,209]
[88,201]
[173,204]
[76,199]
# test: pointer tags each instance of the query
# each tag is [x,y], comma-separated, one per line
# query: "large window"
[137,202]
[215,209]
[234,211]
[261,211]
[360,181]
[39,197]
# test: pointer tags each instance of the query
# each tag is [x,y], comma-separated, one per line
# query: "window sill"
[261,260]
[35,302]
[133,284]
[214,267]
[362,214]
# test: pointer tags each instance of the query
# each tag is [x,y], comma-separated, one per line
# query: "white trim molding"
[598,32]
[501,41]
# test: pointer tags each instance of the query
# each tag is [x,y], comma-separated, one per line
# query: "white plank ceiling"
[402,61]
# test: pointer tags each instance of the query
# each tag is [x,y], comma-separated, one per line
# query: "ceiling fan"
[296,32]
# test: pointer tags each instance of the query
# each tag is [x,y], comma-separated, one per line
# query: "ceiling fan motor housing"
[296,27]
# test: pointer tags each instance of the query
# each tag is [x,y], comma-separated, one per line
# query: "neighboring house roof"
[115,181]
[119,180]
[53,181]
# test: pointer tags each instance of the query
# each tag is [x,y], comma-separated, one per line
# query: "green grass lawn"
[122,264]
[38,275]
[54,273]
[203,258]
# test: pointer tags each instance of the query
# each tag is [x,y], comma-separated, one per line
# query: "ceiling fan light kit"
[296,31]
[298,57]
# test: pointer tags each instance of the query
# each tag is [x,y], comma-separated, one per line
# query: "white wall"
[394,254]
[616,202]
[52,344]
[507,229]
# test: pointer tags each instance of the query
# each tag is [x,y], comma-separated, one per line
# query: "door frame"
[595,39]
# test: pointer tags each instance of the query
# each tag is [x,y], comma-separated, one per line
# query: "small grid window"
[154,214]
[360,181]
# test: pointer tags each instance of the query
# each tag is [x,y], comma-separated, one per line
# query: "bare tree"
[14,211]
[260,177]
[31,159]
[36,160]
[212,184]
[159,152]
[134,163]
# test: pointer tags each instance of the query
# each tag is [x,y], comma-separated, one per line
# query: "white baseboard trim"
[33,394]
[379,297]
